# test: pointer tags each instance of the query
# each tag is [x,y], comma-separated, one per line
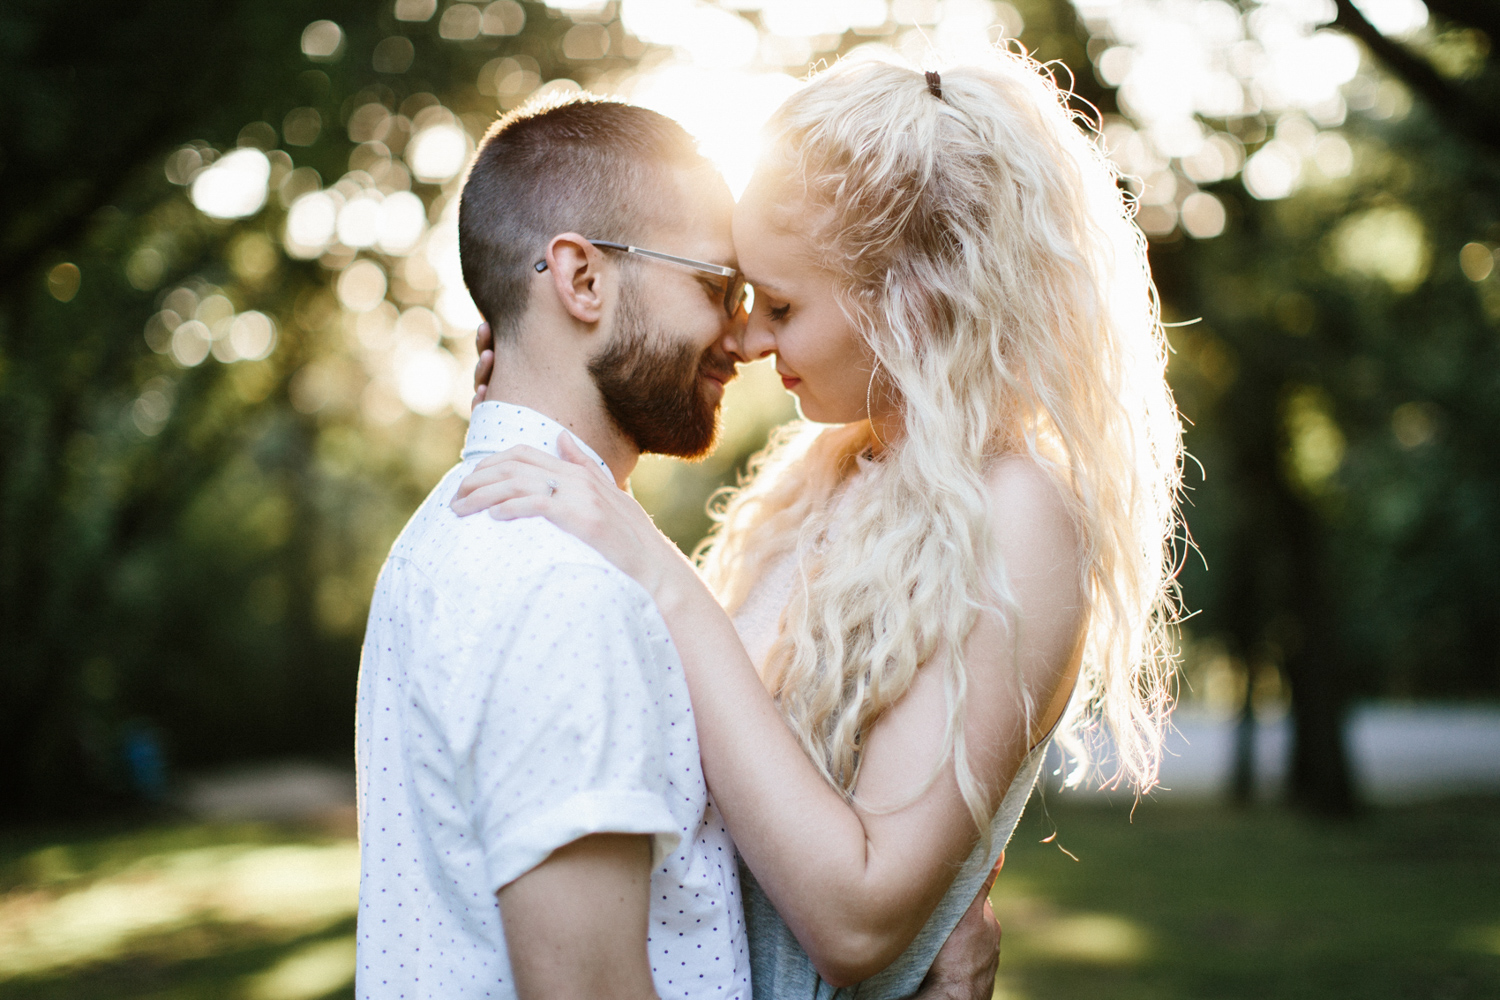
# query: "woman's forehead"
[767,253]
[774,241]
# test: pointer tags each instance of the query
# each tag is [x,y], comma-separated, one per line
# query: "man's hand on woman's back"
[965,968]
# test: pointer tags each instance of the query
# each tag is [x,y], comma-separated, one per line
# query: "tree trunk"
[1318,780]
[1242,781]
[1280,595]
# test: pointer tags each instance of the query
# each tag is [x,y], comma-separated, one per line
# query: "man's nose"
[732,339]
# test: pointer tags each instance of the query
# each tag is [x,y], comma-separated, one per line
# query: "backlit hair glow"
[985,251]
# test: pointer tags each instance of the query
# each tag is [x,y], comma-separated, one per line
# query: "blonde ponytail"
[984,250]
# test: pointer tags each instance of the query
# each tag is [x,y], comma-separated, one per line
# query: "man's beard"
[653,385]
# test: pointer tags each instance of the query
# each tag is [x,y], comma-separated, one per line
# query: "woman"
[974,556]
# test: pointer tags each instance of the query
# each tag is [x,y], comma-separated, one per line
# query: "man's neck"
[577,407]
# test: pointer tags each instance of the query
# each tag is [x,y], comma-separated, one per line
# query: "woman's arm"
[855,883]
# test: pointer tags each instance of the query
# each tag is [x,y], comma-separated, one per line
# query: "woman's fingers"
[484,343]
[527,506]
[480,477]
[572,457]
[484,367]
[506,483]
[491,494]
[523,454]
[576,495]
[487,476]
[571,451]
[520,469]
[531,456]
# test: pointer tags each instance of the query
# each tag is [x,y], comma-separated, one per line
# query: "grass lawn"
[177,912]
[1203,903]
[1190,902]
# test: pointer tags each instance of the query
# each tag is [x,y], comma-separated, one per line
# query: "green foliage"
[189,542]
[1170,901]
[187,546]
[1346,368]
[1336,372]
[1163,903]
[187,551]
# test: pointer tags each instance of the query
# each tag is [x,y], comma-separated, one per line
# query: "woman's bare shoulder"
[1030,514]
[1040,551]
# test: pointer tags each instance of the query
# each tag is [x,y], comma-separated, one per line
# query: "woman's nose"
[751,339]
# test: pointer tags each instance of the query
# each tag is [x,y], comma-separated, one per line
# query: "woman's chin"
[814,412]
[806,409]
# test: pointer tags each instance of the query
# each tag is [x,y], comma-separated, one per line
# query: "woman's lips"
[789,382]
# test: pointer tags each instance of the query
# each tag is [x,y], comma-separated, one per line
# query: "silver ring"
[551,486]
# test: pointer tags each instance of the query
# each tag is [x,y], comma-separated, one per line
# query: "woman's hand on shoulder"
[574,493]
[484,346]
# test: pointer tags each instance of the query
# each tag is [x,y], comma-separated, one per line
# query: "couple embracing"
[589,768]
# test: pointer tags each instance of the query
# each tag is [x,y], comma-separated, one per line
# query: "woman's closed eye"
[778,313]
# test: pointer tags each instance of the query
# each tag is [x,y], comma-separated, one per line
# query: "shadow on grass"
[1182,902]
[1202,902]
[181,911]
[205,962]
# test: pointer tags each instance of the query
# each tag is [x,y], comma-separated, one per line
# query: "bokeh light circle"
[234,187]
[403,220]
[424,380]
[310,224]
[191,342]
[1202,215]
[253,335]
[362,286]
[438,153]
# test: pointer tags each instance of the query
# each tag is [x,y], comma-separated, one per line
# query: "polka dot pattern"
[518,692]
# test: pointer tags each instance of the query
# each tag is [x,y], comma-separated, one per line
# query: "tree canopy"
[234,343]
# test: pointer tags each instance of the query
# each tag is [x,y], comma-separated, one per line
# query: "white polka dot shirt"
[516,693]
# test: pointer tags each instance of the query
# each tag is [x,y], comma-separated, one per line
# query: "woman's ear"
[577,270]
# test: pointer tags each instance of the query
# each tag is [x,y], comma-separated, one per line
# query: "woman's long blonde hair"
[984,250]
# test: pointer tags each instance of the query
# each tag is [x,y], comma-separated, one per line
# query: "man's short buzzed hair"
[597,167]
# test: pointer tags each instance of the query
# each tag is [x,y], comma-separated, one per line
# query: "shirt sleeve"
[571,740]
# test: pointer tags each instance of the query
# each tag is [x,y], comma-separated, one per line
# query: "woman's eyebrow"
[759,285]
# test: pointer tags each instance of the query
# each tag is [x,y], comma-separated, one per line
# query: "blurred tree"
[233,341]
[1462,109]
[187,547]
[1341,386]
[234,345]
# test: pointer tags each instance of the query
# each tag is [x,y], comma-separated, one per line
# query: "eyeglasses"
[734,290]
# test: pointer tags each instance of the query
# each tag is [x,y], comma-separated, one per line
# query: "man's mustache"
[722,369]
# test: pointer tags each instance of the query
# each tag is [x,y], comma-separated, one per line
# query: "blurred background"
[235,353]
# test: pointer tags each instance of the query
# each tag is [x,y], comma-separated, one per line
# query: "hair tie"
[935,85]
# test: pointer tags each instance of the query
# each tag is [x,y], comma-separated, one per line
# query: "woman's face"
[821,358]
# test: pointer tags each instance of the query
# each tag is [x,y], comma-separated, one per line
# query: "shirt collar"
[496,426]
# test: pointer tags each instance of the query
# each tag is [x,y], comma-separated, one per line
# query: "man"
[534,821]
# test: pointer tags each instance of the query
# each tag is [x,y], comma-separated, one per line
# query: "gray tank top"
[779,968]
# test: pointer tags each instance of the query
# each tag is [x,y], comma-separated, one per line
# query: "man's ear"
[576,268]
